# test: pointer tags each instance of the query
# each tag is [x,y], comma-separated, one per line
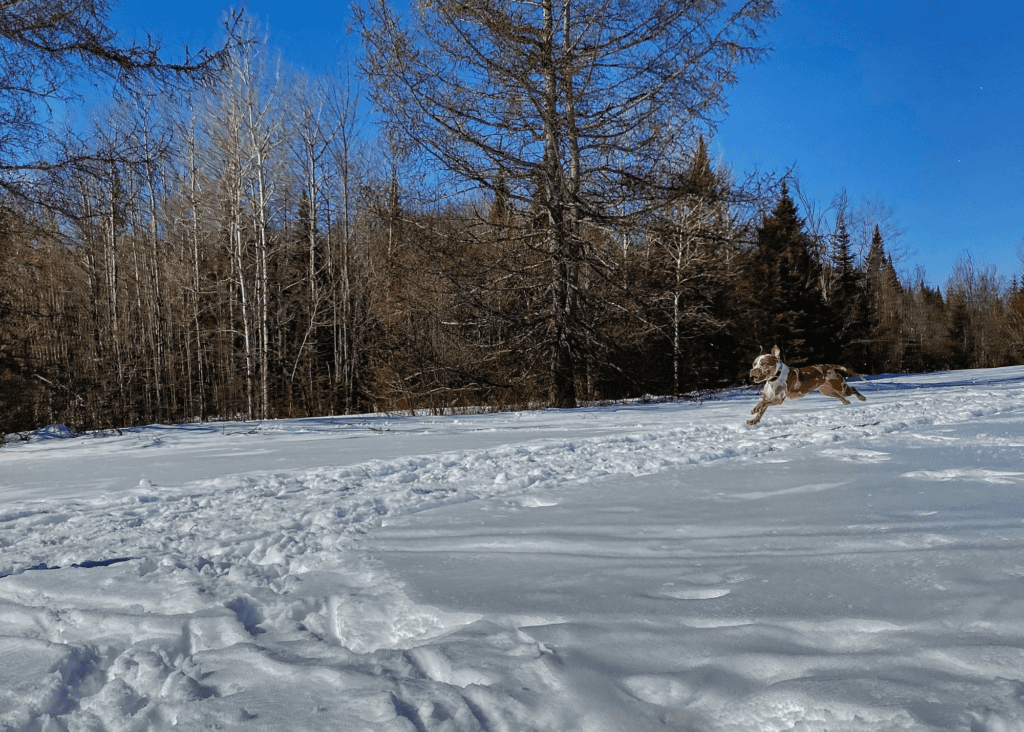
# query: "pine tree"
[927,319]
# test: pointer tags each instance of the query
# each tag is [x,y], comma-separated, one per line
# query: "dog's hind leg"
[835,388]
[839,384]
[850,391]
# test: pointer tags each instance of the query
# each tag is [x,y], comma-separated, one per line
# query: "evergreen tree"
[886,309]
[875,258]
[1015,297]
[688,277]
[842,257]
[1015,319]
[961,339]
[788,308]
[848,305]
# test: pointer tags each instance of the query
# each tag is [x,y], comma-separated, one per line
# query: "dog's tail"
[849,372]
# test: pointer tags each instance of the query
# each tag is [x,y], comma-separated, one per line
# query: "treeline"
[833,304]
[247,252]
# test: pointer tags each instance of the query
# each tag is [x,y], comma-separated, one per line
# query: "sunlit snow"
[637,567]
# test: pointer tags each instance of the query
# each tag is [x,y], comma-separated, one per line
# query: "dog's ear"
[776,352]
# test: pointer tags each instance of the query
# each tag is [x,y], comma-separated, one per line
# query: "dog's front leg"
[763,405]
[758,411]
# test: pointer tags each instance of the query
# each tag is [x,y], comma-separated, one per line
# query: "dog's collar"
[782,372]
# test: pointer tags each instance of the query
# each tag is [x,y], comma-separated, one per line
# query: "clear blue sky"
[914,103]
[917,104]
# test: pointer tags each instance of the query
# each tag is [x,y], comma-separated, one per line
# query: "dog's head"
[766,366]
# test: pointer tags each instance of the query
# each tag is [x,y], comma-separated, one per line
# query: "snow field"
[639,567]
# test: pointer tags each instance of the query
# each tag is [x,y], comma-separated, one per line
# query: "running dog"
[782,382]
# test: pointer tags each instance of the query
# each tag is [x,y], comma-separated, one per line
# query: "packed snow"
[630,567]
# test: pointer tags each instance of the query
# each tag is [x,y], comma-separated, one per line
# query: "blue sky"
[915,104]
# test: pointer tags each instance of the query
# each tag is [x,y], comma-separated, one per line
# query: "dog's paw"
[752,422]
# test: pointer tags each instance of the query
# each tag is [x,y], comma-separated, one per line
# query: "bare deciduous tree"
[570,105]
[46,46]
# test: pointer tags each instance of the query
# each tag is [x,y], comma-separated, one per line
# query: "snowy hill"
[647,567]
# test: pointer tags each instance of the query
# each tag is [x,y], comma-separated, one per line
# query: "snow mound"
[54,432]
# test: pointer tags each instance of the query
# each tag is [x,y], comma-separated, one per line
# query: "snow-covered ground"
[645,567]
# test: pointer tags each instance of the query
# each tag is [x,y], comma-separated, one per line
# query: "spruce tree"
[1016,296]
[885,304]
[849,306]
[875,258]
[788,308]
[1015,319]
[961,339]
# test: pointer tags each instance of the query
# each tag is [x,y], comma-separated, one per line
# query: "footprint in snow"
[700,593]
[533,502]
[852,455]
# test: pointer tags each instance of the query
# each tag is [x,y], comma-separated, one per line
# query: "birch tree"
[262,125]
[695,238]
[230,168]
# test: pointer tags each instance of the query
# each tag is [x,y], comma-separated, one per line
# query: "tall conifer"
[788,305]
[884,295]
[849,307]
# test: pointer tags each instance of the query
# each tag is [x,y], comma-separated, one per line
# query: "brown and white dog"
[782,382]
